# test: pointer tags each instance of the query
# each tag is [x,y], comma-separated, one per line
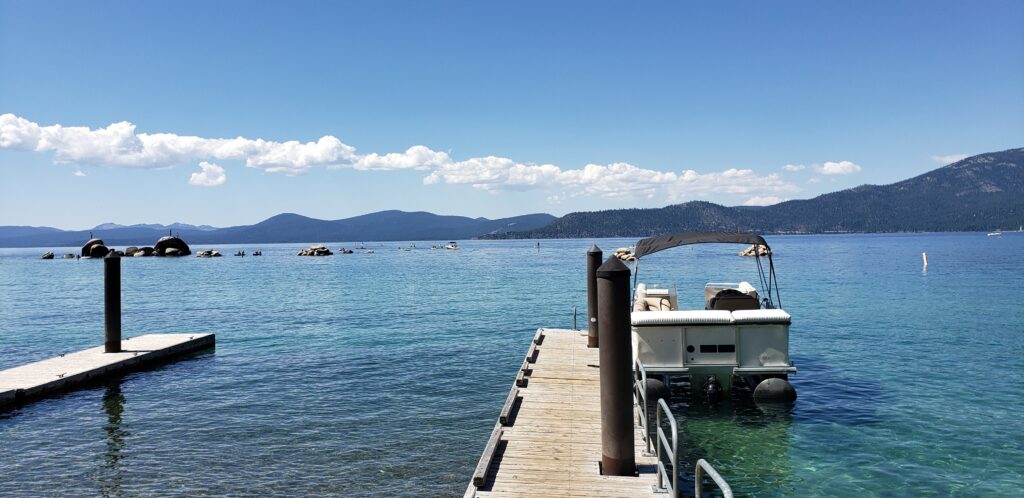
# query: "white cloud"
[949,158]
[766,200]
[838,168]
[210,175]
[793,168]
[78,173]
[120,145]
[814,180]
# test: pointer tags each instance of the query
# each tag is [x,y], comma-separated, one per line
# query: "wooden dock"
[67,371]
[547,441]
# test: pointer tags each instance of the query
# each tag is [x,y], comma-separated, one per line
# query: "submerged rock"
[208,254]
[47,255]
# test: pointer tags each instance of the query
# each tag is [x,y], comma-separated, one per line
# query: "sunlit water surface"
[382,374]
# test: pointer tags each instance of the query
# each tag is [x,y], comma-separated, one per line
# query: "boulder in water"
[88,246]
[47,255]
[755,250]
[171,246]
[130,251]
[98,251]
[319,250]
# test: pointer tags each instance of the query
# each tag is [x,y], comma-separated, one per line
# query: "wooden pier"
[547,441]
[67,371]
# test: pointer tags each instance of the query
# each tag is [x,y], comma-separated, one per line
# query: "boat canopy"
[652,245]
[766,276]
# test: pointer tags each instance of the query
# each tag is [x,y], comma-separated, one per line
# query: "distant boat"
[452,246]
[997,233]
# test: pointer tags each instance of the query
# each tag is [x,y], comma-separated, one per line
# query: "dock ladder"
[666,447]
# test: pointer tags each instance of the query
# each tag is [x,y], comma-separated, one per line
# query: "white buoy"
[924,257]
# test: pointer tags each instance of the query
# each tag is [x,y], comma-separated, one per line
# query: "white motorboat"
[452,246]
[997,233]
[742,334]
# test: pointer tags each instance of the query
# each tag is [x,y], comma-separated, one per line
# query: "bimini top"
[652,245]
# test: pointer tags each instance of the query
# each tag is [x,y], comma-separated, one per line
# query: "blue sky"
[487,109]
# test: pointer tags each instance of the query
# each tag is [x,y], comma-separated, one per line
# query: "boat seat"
[760,316]
[687,317]
[733,300]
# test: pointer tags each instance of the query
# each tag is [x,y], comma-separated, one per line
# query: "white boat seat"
[760,316]
[708,317]
[687,317]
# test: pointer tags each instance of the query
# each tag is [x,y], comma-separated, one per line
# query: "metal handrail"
[640,398]
[673,456]
[704,466]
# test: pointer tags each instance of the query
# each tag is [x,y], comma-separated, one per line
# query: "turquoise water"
[382,374]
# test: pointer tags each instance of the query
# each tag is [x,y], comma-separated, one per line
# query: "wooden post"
[594,256]
[616,356]
[112,302]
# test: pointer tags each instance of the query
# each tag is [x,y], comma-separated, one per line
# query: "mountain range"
[982,192]
[287,227]
[978,193]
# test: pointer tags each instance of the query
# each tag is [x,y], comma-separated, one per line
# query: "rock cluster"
[755,250]
[171,246]
[94,248]
[208,254]
[316,251]
[47,255]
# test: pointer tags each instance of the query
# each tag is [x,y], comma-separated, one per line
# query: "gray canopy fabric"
[654,244]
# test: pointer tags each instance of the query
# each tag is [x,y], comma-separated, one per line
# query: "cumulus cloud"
[838,168]
[78,173]
[949,158]
[121,145]
[766,200]
[793,168]
[210,175]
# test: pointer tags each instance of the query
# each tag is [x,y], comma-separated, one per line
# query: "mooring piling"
[112,302]
[616,369]
[594,256]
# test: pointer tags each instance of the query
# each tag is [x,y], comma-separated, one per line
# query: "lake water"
[382,374]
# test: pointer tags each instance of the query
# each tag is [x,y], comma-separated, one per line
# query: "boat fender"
[775,389]
[655,390]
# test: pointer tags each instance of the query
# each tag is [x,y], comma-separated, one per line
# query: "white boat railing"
[702,467]
[640,398]
[666,448]
[672,452]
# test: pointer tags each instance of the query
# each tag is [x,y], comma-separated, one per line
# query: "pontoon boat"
[742,334]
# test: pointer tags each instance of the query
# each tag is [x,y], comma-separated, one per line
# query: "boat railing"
[640,399]
[668,449]
[704,467]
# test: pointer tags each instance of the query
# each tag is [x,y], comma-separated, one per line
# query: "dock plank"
[553,446]
[24,383]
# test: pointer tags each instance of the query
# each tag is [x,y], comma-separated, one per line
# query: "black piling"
[593,261]
[617,457]
[112,302]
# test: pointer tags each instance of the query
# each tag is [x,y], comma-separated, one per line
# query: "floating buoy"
[774,389]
